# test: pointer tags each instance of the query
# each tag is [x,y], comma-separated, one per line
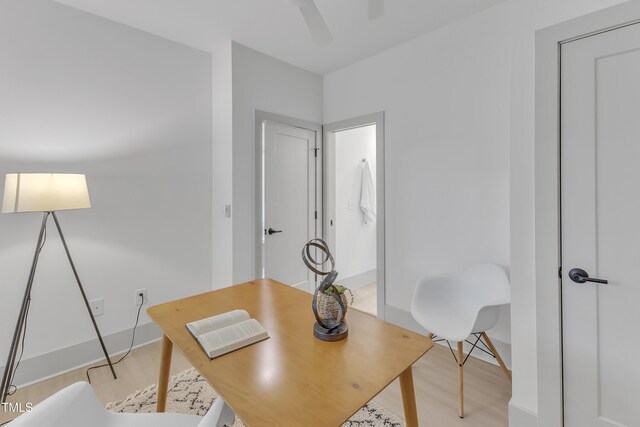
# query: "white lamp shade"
[44,192]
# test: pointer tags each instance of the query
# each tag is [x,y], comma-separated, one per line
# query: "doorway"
[354,207]
[290,205]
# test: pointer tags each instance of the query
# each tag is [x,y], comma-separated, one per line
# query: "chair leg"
[507,373]
[460,380]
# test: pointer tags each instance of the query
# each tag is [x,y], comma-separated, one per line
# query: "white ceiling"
[276,27]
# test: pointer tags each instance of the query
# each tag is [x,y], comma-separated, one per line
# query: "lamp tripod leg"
[15,342]
[84,296]
[22,317]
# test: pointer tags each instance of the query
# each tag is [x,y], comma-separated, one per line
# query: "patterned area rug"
[189,393]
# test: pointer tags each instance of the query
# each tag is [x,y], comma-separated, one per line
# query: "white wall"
[355,250]
[261,82]
[131,110]
[222,163]
[446,102]
[485,62]
[527,16]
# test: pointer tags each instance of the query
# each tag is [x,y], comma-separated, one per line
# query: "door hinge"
[560,272]
[315,152]
[316,214]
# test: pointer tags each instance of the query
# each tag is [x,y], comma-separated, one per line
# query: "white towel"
[367,195]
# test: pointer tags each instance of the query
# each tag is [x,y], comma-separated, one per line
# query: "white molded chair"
[77,406]
[456,306]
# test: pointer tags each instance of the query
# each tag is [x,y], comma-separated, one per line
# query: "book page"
[217,322]
[233,337]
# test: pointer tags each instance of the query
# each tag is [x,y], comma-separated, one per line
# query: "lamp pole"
[7,377]
[26,300]
[84,296]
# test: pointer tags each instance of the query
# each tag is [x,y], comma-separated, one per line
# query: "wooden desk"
[292,378]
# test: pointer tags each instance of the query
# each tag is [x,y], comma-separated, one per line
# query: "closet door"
[600,187]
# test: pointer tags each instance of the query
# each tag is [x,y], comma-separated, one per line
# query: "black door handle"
[578,275]
[272,231]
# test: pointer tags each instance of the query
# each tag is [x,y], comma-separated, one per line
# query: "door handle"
[578,275]
[272,231]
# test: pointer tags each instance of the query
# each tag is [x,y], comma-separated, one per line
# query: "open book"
[226,332]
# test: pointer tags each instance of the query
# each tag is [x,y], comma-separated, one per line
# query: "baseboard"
[60,361]
[403,318]
[305,286]
[57,362]
[521,417]
[359,280]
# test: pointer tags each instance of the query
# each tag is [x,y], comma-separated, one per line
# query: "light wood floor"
[365,299]
[487,392]
[138,370]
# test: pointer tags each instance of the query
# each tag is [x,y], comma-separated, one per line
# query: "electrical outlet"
[139,300]
[97,307]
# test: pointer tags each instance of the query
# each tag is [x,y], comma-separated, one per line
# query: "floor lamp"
[47,193]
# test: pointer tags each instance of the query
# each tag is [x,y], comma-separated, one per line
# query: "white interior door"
[290,202]
[600,173]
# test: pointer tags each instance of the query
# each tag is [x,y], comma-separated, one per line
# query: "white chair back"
[219,415]
[73,406]
[77,406]
[455,305]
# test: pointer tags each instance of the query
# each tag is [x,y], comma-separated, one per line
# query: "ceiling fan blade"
[318,28]
[376,9]
[298,3]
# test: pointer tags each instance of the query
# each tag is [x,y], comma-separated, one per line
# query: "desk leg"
[165,367]
[408,398]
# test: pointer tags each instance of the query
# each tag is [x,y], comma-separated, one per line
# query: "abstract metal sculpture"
[332,329]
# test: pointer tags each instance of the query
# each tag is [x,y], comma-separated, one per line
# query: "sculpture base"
[338,333]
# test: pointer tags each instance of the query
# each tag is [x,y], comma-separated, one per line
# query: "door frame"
[260,118]
[547,197]
[356,122]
